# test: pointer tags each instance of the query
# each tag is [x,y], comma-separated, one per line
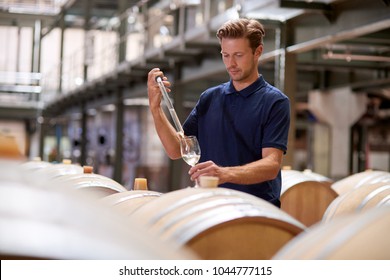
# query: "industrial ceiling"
[337,43]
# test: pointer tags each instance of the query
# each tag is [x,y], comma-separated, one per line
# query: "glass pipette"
[168,103]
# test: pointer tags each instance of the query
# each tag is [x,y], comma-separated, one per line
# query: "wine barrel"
[318,177]
[95,185]
[359,236]
[69,175]
[219,223]
[360,199]
[304,198]
[129,201]
[375,198]
[38,222]
[9,148]
[54,170]
[358,179]
[34,165]
[384,202]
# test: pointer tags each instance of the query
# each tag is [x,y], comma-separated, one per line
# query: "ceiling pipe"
[340,36]
[350,57]
[325,40]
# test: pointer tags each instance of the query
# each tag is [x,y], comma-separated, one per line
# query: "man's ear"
[259,50]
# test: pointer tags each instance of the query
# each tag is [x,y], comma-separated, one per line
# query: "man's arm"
[258,171]
[166,132]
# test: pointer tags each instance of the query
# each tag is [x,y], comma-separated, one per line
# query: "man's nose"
[231,61]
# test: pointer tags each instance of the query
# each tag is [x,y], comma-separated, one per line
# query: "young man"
[241,125]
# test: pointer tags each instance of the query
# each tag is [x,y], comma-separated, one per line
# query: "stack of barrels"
[60,211]
[190,223]
[219,223]
[213,223]
[359,192]
[355,224]
[51,211]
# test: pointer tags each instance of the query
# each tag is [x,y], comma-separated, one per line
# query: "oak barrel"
[304,198]
[360,199]
[384,202]
[42,222]
[318,177]
[95,185]
[69,175]
[54,170]
[358,236]
[34,165]
[219,223]
[9,148]
[129,201]
[356,180]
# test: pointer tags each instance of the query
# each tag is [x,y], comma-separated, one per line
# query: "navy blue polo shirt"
[233,126]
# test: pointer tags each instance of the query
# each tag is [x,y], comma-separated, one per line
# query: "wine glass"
[190,150]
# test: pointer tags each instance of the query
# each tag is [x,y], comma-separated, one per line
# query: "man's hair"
[243,28]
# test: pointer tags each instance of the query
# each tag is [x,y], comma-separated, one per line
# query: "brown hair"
[243,28]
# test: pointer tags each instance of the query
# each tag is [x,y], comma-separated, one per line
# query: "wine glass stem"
[196,184]
[196,181]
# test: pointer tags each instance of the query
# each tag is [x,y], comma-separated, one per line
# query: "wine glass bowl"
[190,150]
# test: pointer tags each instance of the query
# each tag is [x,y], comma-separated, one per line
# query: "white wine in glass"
[190,150]
[191,158]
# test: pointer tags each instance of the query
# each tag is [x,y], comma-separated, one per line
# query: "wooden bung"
[88,169]
[140,184]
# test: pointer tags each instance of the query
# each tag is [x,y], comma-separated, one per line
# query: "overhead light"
[78,81]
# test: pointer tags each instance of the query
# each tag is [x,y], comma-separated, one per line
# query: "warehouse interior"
[73,81]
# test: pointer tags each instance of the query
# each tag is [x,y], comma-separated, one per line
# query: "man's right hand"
[154,92]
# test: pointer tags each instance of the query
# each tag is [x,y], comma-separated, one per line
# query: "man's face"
[239,59]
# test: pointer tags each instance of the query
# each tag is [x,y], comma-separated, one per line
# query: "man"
[241,125]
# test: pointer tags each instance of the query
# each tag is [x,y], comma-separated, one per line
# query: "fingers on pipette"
[166,83]
[155,72]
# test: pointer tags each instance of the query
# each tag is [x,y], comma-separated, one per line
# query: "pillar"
[339,108]
[118,164]
[286,80]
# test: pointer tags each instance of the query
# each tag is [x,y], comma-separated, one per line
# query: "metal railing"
[47,7]
[146,30]
[19,87]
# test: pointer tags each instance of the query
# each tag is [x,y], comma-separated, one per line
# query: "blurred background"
[73,80]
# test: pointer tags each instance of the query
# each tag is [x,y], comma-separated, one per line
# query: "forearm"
[251,173]
[255,172]
[167,134]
